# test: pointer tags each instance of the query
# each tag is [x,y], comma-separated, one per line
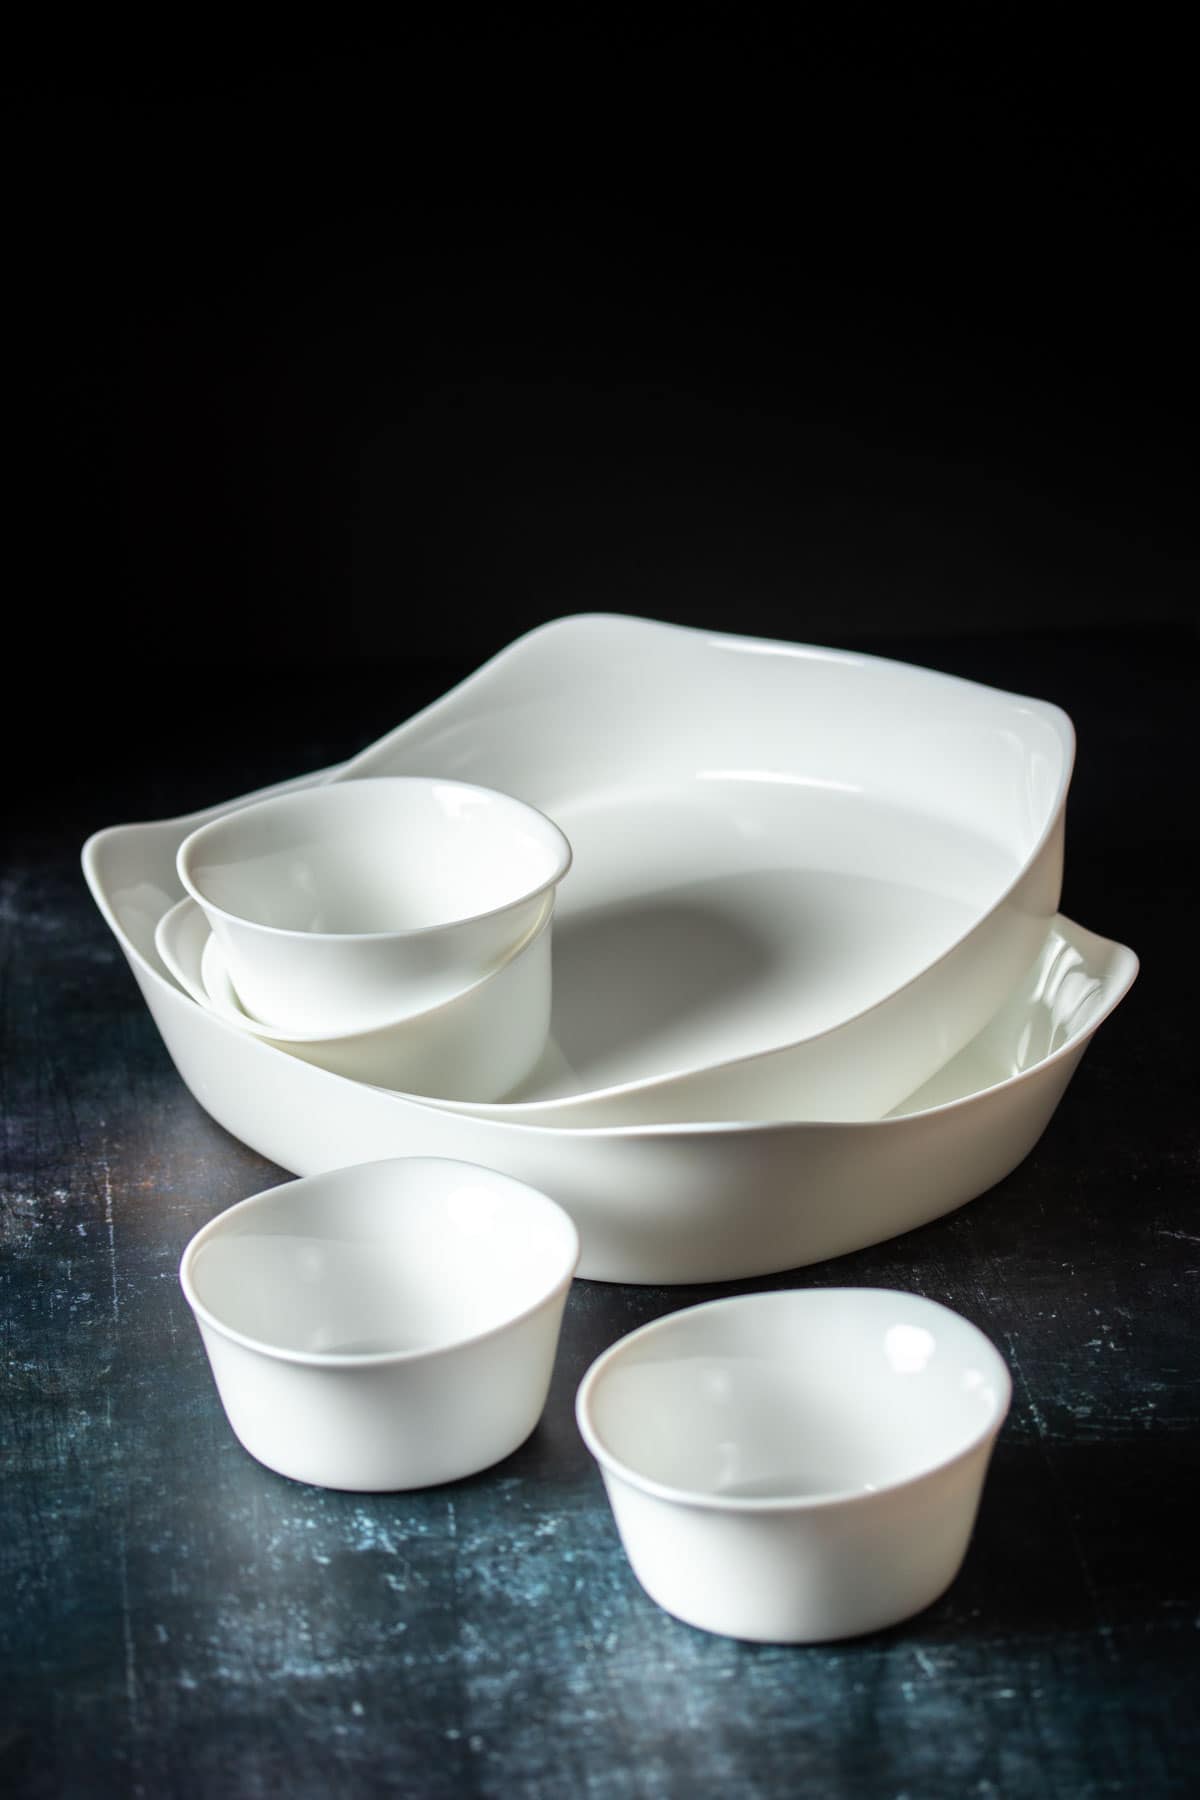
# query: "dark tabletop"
[178,1620]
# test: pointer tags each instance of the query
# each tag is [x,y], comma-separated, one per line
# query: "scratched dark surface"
[178,1620]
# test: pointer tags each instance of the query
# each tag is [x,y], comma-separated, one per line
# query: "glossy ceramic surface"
[342,907]
[386,1326]
[481,1043]
[658,1204]
[797,1466]
[802,879]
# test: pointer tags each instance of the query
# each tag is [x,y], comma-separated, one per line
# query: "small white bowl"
[477,1046]
[344,907]
[387,1326]
[799,1466]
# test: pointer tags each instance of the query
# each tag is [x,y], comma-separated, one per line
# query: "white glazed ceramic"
[657,1204]
[802,880]
[386,1326]
[343,907]
[799,1466]
[476,1046]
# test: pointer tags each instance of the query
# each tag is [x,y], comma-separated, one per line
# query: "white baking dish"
[803,879]
[659,1202]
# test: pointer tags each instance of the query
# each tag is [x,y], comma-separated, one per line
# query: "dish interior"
[797,1396]
[768,839]
[716,919]
[709,922]
[388,1263]
[1060,997]
[374,856]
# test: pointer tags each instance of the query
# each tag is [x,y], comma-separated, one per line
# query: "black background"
[346,352]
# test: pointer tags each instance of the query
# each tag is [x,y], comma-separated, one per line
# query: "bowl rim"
[374,1359]
[294,797]
[776,1504]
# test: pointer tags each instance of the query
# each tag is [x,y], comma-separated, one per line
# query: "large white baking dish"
[803,879]
[653,1203]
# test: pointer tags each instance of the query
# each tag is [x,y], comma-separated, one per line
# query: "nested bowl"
[344,907]
[390,1325]
[798,1466]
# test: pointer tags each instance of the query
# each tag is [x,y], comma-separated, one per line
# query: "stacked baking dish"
[810,984]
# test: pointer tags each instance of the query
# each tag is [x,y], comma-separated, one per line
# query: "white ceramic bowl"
[476,1046]
[799,1466]
[344,907]
[388,1326]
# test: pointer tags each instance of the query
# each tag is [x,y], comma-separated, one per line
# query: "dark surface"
[178,1620]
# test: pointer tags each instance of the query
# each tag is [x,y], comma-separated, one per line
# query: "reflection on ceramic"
[657,1204]
[387,1326]
[799,1466]
[481,1043]
[345,907]
[802,879]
